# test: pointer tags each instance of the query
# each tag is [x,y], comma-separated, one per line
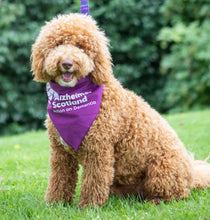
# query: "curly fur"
[130,148]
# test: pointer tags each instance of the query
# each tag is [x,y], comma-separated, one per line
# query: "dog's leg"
[63,177]
[97,176]
[167,180]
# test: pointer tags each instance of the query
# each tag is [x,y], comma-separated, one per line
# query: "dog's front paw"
[92,200]
[56,198]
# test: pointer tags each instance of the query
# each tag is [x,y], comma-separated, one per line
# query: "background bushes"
[133,26]
[22,101]
[187,63]
[159,48]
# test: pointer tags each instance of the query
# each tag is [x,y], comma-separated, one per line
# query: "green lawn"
[24,171]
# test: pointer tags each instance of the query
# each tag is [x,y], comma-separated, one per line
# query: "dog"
[127,148]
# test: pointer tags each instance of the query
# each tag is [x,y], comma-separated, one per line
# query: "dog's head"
[68,48]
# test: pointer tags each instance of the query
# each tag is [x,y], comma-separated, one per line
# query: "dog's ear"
[102,61]
[37,64]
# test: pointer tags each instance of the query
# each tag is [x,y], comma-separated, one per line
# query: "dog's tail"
[201,174]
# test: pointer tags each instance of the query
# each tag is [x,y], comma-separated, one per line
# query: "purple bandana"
[73,110]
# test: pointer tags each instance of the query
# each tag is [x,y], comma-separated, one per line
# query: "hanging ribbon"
[84,7]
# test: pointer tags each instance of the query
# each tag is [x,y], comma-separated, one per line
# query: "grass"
[24,171]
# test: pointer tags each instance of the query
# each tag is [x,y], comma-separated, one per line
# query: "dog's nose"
[67,64]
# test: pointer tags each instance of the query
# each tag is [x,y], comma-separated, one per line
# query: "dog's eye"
[79,46]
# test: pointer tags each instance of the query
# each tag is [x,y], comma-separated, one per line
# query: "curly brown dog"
[130,148]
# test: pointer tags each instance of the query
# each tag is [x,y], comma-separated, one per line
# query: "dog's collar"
[73,110]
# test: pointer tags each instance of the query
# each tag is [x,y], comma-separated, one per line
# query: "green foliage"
[185,10]
[24,172]
[132,27]
[138,50]
[187,64]
[22,101]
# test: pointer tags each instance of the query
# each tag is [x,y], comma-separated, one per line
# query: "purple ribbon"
[84,7]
